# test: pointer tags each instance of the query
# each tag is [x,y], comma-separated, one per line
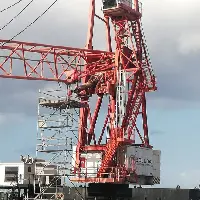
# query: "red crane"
[122,77]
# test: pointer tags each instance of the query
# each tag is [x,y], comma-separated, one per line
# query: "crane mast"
[112,148]
[131,76]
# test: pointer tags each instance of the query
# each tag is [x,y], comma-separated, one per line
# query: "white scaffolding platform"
[58,117]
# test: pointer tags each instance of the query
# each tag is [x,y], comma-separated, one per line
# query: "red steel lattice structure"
[124,74]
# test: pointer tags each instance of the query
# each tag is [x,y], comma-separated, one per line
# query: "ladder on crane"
[116,137]
[146,65]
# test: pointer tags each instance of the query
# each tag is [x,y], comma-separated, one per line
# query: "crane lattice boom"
[31,61]
[122,77]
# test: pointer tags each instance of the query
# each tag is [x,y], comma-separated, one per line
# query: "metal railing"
[91,172]
[131,4]
[128,3]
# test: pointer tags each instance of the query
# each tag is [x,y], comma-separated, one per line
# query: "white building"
[34,172]
[11,173]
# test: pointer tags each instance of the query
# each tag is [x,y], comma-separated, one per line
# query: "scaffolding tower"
[58,115]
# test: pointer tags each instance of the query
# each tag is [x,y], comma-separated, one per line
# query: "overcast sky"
[172,32]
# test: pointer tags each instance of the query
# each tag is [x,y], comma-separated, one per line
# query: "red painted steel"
[96,73]
[30,61]
[131,56]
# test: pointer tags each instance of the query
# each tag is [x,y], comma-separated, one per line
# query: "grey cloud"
[19,96]
[66,24]
[60,26]
[171,32]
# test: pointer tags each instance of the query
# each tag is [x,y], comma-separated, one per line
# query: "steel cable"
[5,9]
[19,33]
[15,17]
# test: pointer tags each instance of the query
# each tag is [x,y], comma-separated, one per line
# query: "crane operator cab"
[121,8]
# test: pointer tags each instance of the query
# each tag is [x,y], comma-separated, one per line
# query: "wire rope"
[29,25]
[16,16]
[5,9]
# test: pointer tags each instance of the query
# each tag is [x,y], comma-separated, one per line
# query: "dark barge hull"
[122,192]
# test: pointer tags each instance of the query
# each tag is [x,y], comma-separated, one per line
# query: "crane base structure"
[144,163]
[125,156]
[109,90]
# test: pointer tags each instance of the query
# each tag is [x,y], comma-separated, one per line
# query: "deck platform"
[122,10]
